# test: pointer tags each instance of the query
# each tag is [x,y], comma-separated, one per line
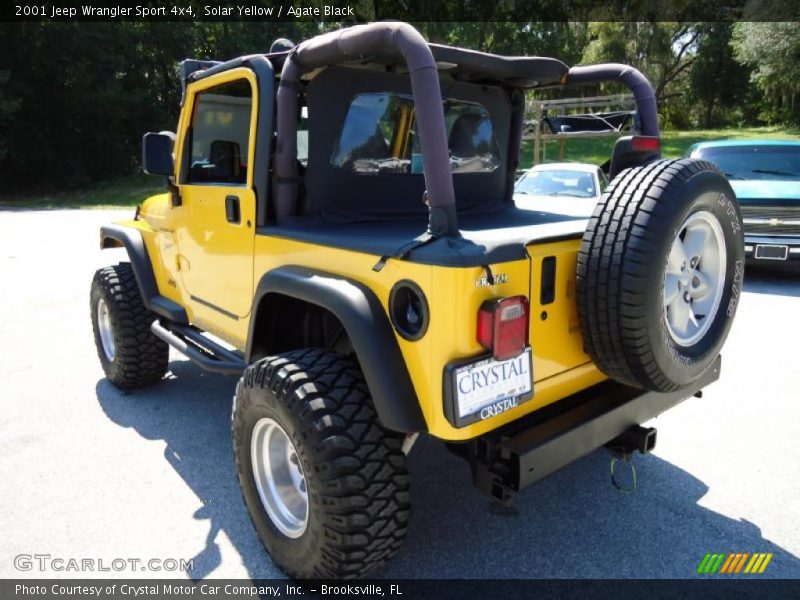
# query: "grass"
[118,192]
[130,190]
[673,143]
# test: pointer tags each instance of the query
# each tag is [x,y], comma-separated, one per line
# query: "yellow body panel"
[209,267]
[560,367]
[555,326]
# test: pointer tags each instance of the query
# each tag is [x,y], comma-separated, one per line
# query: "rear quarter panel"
[560,366]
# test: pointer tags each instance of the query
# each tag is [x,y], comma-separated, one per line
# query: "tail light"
[503,326]
[642,143]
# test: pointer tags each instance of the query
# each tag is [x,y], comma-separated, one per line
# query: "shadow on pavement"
[780,280]
[191,411]
[572,524]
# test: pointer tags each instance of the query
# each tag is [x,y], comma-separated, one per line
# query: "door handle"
[232,210]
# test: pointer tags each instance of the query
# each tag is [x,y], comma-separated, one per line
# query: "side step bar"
[199,349]
[513,457]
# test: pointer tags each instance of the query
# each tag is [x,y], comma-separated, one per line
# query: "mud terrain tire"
[352,470]
[131,356]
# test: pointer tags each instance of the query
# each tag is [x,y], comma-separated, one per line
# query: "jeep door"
[216,236]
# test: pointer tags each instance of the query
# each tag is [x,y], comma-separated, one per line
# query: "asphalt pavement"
[89,472]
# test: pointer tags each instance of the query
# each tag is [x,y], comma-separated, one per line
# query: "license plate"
[487,388]
[772,252]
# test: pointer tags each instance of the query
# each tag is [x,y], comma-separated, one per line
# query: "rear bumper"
[510,459]
[751,241]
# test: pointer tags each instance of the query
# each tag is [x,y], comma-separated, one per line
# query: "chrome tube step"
[202,351]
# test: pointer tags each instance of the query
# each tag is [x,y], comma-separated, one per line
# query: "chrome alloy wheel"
[279,478]
[104,328]
[694,278]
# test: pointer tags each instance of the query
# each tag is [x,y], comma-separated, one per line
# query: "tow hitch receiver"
[622,448]
[511,458]
[635,438]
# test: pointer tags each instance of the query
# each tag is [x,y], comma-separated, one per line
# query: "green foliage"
[661,50]
[772,51]
[8,107]
[720,91]
[666,52]
[114,192]
[564,41]
[75,98]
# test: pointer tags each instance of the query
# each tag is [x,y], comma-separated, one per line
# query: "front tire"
[325,484]
[131,356]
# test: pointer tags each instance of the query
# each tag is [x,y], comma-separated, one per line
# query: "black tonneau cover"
[488,238]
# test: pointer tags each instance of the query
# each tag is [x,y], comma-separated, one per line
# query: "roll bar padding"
[390,40]
[637,83]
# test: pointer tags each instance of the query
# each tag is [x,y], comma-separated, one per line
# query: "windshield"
[379,135]
[557,182]
[779,163]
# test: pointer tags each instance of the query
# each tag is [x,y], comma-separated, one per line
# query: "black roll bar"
[389,40]
[637,83]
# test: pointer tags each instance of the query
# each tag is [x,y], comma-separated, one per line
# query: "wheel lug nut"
[687,297]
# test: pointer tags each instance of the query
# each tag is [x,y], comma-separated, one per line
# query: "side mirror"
[157,153]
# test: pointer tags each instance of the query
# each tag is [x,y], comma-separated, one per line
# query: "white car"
[569,189]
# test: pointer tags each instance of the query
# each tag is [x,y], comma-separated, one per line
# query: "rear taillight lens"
[503,326]
[642,143]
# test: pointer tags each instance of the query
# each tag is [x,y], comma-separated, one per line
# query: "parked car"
[765,174]
[570,189]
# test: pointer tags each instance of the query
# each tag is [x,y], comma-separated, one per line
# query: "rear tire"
[130,354]
[660,272]
[350,469]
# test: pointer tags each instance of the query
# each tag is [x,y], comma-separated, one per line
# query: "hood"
[760,189]
[566,206]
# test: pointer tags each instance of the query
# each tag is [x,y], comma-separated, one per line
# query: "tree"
[661,50]
[75,98]
[772,51]
[718,83]
[8,107]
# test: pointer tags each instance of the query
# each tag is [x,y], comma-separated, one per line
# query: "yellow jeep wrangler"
[339,232]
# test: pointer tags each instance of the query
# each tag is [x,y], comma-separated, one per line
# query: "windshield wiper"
[776,172]
[570,194]
[733,176]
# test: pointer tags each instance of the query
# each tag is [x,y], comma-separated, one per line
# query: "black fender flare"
[367,325]
[131,239]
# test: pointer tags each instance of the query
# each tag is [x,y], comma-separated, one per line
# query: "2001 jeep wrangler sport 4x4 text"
[339,231]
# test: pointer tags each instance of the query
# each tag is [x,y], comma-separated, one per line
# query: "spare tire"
[660,272]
